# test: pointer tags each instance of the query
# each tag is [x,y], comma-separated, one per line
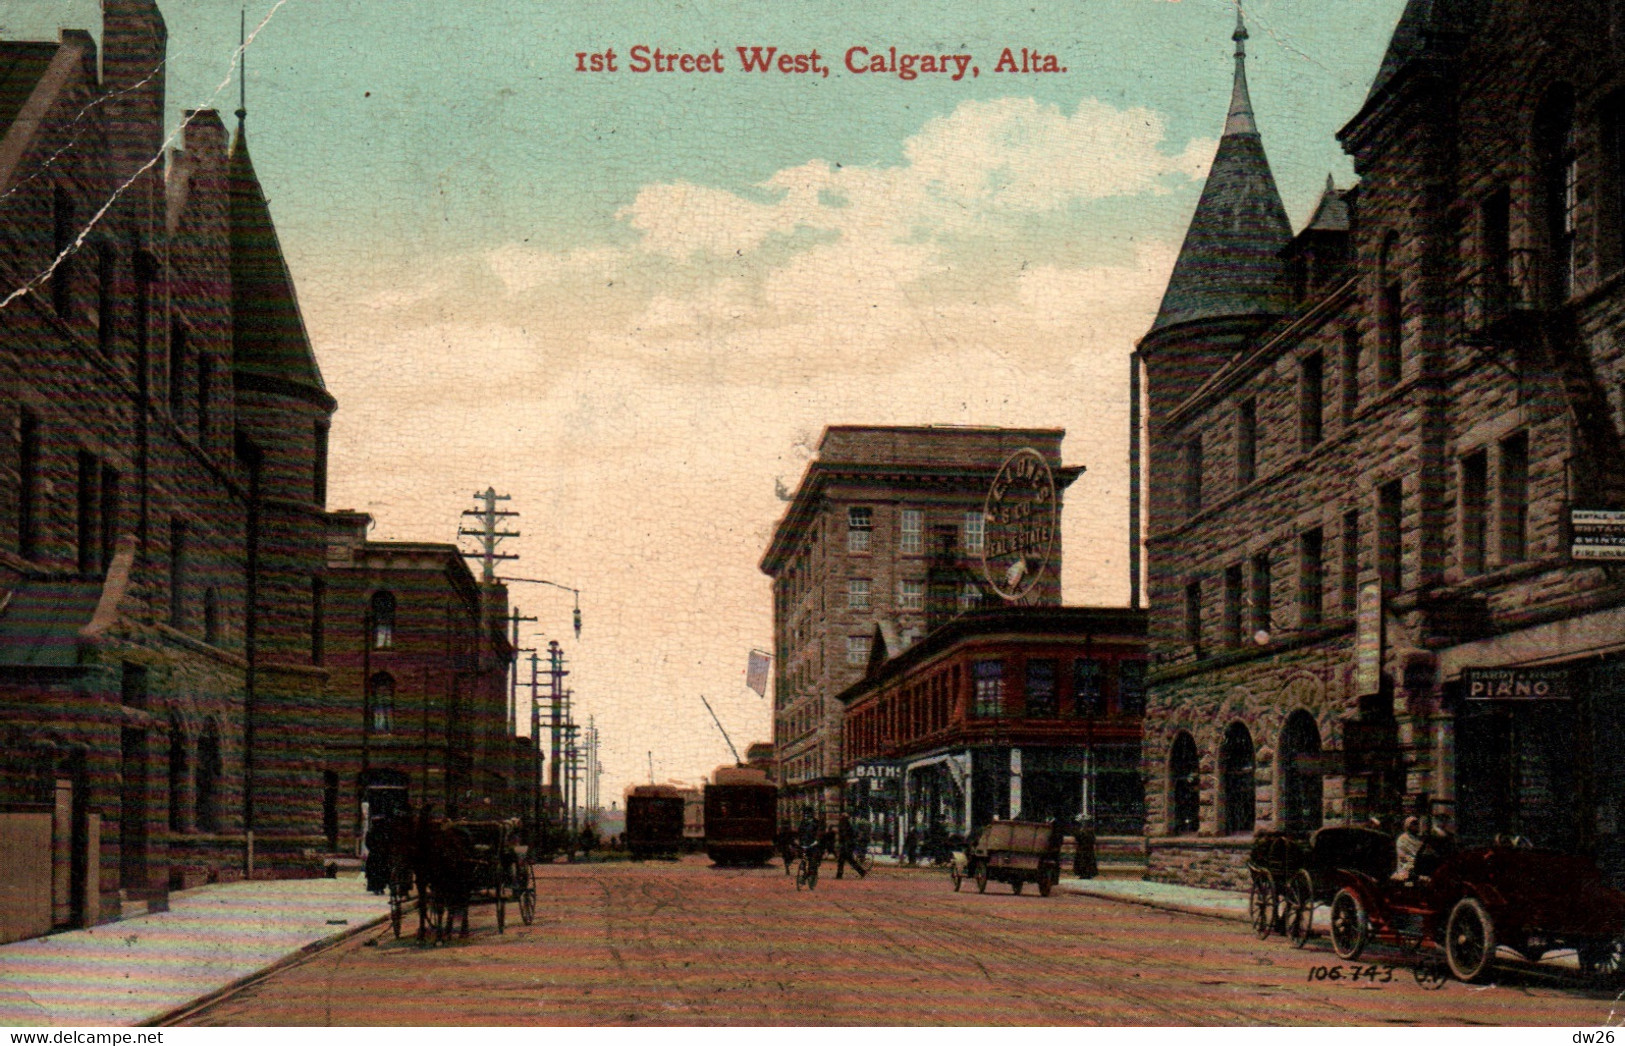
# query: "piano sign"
[1517,684]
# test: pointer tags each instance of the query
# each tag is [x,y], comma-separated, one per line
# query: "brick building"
[163,545]
[1024,712]
[1366,442]
[884,535]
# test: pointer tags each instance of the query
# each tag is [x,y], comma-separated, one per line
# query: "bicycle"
[807,869]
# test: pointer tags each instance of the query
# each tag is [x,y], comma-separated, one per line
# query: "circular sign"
[1020,517]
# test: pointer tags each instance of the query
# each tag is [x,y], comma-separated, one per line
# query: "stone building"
[1013,712]
[1384,451]
[163,531]
[886,532]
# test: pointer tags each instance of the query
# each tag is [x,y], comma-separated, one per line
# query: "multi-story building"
[1371,594]
[1025,712]
[885,532]
[163,547]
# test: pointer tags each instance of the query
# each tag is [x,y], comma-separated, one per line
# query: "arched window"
[1183,771]
[179,776]
[1559,172]
[383,620]
[1300,773]
[382,700]
[208,778]
[1240,790]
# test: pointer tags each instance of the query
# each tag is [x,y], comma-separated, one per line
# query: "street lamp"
[575,614]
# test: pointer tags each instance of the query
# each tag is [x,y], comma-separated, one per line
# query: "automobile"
[1476,901]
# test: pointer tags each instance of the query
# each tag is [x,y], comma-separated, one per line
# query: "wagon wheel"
[1602,957]
[1299,909]
[981,877]
[1469,940]
[1262,904]
[1351,929]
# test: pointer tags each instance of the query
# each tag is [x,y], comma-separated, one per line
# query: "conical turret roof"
[1230,264]
[269,340]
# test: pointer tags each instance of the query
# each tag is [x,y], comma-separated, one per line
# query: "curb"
[332,940]
[1167,906]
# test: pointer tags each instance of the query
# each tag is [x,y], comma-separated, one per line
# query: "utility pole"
[536,752]
[488,534]
[556,674]
[513,676]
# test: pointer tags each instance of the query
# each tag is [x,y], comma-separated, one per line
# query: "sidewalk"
[135,970]
[1221,904]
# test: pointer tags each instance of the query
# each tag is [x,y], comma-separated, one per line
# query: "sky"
[632,301]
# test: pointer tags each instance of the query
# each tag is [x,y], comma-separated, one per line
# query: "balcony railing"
[1494,292]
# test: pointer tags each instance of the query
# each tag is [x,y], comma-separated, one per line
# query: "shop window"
[1040,690]
[988,678]
[1240,788]
[1183,786]
[1246,442]
[1300,774]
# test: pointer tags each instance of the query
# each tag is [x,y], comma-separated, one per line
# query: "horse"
[443,866]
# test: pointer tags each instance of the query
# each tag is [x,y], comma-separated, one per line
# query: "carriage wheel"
[1602,957]
[397,910]
[502,908]
[1351,929]
[1262,904]
[1469,940]
[981,877]
[1299,912]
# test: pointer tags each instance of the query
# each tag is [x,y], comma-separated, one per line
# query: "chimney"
[134,43]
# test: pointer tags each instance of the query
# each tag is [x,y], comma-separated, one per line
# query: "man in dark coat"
[846,848]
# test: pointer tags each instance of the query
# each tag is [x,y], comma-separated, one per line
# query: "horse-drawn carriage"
[1014,852]
[445,866]
[1289,878]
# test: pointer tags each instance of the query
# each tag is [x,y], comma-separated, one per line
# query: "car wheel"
[1349,925]
[1602,957]
[1469,940]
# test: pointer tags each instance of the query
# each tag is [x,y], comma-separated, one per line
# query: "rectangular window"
[87,529]
[988,677]
[319,469]
[857,593]
[177,573]
[1193,616]
[911,535]
[1311,569]
[859,522]
[1475,479]
[1040,695]
[318,620]
[1261,594]
[970,596]
[1514,498]
[1390,520]
[1495,251]
[1351,373]
[1311,405]
[857,650]
[1089,687]
[109,515]
[63,233]
[1233,600]
[974,531]
[1246,442]
[1193,475]
[910,595]
[1351,560]
[1392,324]
[28,500]
[1131,688]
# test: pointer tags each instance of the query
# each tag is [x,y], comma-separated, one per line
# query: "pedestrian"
[911,846]
[846,848]
[1084,863]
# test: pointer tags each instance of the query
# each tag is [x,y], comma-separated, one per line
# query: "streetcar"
[654,821]
[740,816]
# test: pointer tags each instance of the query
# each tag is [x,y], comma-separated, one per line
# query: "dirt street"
[685,943]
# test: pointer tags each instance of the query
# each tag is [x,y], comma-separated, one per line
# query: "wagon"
[1316,880]
[498,869]
[1480,900]
[1014,852]
[1274,859]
